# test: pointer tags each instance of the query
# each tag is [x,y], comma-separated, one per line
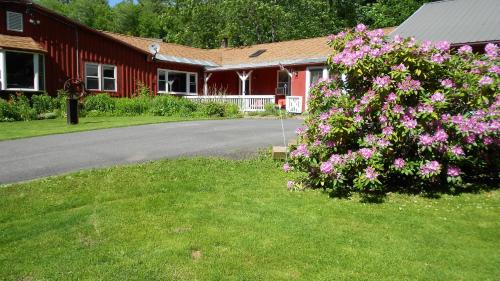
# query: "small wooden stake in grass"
[279,152]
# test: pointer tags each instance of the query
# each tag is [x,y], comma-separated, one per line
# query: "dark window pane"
[161,86]
[161,76]
[92,83]
[108,72]
[179,82]
[91,70]
[20,70]
[192,83]
[109,85]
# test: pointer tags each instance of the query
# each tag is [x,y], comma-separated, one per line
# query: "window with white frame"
[100,77]
[14,21]
[22,71]
[177,82]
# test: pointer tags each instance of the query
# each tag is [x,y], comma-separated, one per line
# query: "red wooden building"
[40,50]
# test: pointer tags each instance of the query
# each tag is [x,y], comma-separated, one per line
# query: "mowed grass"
[214,219]
[24,129]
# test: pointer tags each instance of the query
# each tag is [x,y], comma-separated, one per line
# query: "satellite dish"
[154,48]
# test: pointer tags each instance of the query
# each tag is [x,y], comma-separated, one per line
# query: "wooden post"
[244,77]
[206,77]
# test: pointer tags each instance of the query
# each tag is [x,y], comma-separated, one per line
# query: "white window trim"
[36,74]
[100,76]
[289,80]
[115,77]
[308,78]
[249,81]
[167,85]
[7,21]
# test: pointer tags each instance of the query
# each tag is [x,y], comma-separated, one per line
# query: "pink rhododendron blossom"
[487,140]
[299,130]
[360,27]
[409,84]
[470,138]
[324,116]
[300,151]
[366,153]
[465,49]
[398,39]
[326,167]
[399,67]
[437,97]
[457,150]
[447,83]
[425,46]
[443,46]
[388,130]
[491,50]
[399,163]
[391,97]
[358,119]
[398,109]
[409,122]
[382,118]
[316,143]
[453,171]
[494,69]
[425,108]
[324,129]
[431,167]
[382,81]
[336,159]
[440,136]
[426,140]
[370,173]
[383,143]
[485,80]
[438,58]
[286,167]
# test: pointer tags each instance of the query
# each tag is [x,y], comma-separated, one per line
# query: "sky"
[114,2]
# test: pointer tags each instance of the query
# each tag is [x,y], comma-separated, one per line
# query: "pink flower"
[409,84]
[409,122]
[491,50]
[431,167]
[488,140]
[443,46]
[437,97]
[457,150]
[366,153]
[426,140]
[336,159]
[485,80]
[425,108]
[383,143]
[299,130]
[382,81]
[300,151]
[425,46]
[290,185]
[324,116]
[453,171]
[286,167]
[494,69]
[388,130]
[447,83]
[326,167]
[360,27]
[358,119]
[391,97]
[399,163]
[440,136]
[438,58]
[465,49]
[370,173]
[398,109]
[324,129]
[398,39]
[399,67]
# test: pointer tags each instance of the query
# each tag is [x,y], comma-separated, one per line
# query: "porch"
[253,103]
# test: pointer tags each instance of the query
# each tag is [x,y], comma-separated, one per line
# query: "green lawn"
[24,129]
[212,219]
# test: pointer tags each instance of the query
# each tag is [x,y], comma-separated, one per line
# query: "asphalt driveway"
[32,158]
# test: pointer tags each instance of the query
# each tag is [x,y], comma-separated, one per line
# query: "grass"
[214,219]
[24,129]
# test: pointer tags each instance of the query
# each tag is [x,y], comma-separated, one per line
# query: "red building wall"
[70,45]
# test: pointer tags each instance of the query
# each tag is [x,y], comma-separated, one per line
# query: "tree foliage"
[205,23]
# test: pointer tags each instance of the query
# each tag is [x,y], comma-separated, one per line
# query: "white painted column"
[36,70]
[244,77]
[206,77]
[3,79]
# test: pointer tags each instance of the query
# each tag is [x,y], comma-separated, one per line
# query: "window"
[283,83]
[22,71]
[313,74]
[177,82]
[100,77]
[14,21]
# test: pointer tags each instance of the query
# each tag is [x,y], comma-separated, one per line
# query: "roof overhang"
[20,43]
[288,62]
[174,59]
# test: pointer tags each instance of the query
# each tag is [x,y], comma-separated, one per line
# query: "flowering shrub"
[401,114]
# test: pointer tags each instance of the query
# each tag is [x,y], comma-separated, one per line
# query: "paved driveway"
[32,158]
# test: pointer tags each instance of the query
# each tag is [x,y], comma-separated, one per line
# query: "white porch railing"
[294,104]
[245,103]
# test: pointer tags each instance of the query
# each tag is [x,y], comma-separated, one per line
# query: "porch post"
[206,77]
[244,77]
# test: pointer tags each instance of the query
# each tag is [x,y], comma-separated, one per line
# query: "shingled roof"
[456,21]
[20,43]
